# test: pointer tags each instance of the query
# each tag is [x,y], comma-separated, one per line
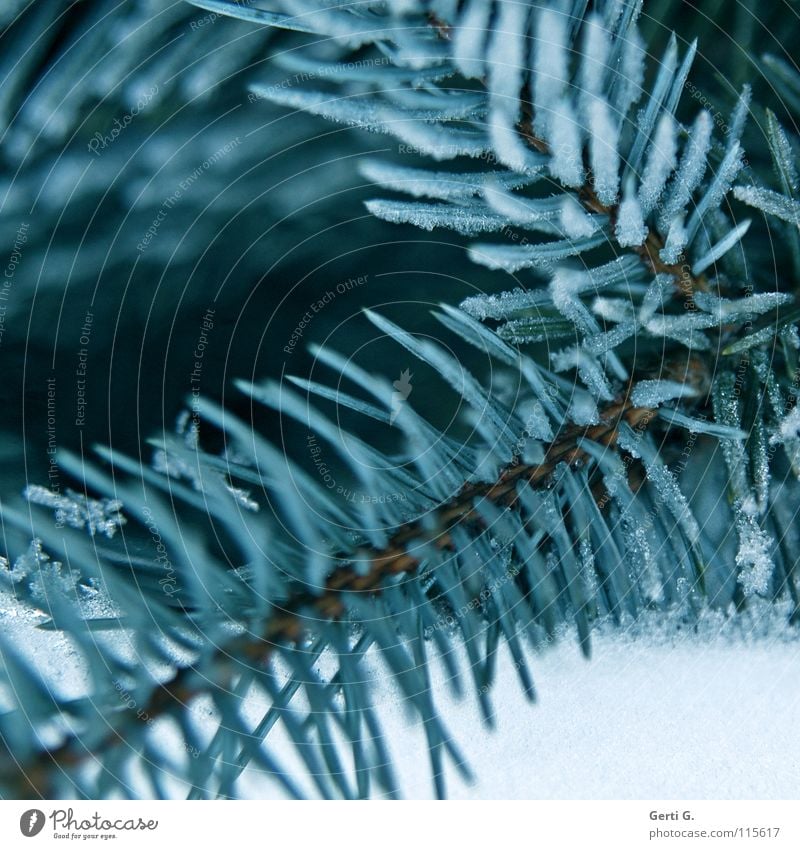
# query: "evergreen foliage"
[624,345]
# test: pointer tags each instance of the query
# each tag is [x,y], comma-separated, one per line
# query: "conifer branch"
[290,624]
[686,283]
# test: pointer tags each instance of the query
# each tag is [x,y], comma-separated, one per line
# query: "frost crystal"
[566,162]
[770,202]
[441,185]
[29,564]
[724,309]
[78,511]
[515,209]
[612,309]
[739,115]
[176,467]
[692,168]
[563,288]
[469,38]
[583,410]
[595,56]
[242,498]
[677,237]
[604,152]
[550,74]
[508,146]
[630,230]
[428,216]
[782,154]
[588,369]
[661,163]
[502,305]
[753,557]
[664,481]
[655,296]
[631,74]
[651,393]
[506,58]
[723,178]
[574,221]
[789,428]
[721,248]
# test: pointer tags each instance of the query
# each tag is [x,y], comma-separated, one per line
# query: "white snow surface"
[645,718]
[656,713]
[660,711]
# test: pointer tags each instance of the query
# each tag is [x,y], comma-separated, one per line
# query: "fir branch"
[365,571]
[686,283]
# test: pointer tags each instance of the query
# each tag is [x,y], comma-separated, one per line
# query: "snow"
[661,711]
[753,557]
[637,721]
[657,713]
